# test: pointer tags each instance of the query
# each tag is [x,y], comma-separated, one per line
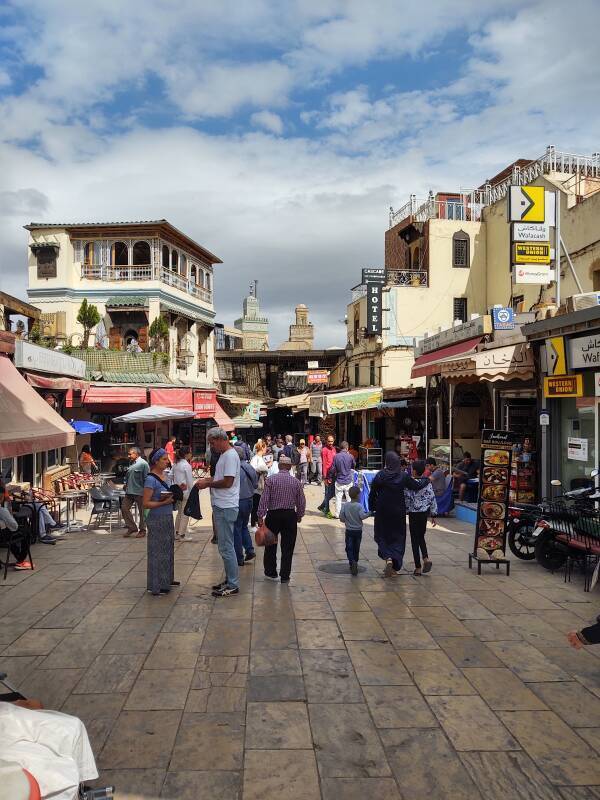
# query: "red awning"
[110,395]
[172,398]
[428,364]
[27,423]
[222,419]
[205,402]
[58,384]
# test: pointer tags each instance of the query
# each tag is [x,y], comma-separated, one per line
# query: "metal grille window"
[460,250]
[459,308]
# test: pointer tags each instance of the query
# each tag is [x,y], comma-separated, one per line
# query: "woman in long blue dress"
[386,502]
[161,530]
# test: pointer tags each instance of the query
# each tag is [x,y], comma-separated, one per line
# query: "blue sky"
[278,134]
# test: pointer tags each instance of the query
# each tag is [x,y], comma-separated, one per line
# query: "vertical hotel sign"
[374,280]
[494,483]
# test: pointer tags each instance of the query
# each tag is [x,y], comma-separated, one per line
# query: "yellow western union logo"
[565,386]
[529,253]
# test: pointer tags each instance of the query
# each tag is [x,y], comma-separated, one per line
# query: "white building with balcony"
[133,272]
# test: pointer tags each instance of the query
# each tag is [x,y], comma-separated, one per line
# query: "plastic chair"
[103,506]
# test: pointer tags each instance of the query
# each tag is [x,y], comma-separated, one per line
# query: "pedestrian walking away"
[282,506]
[316,454]
[135,478]
[182,475]
[352,515]
[386,502]
[244,548]
[225,501]
[420,505]
[341,472]
[260,466]
[170,448]
[328,453]
[161,531]
[304,462]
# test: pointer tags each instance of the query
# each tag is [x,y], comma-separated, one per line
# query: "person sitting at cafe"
[19,548]
[464,471]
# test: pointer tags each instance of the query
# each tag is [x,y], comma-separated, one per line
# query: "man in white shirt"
[225,500]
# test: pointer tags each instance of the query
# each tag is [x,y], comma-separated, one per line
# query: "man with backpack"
[241,535]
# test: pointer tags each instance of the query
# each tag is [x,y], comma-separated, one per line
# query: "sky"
[278,134]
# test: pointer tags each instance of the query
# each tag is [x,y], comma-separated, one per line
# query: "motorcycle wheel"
[516,536]
[547,554]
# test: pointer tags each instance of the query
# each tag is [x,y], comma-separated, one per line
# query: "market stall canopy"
[297,402]
[223,419]
[85,426]
[28,424]
[154,414]
[246,422]
[514,362]
[429,363]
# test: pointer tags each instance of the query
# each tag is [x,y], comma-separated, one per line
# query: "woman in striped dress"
[161,530]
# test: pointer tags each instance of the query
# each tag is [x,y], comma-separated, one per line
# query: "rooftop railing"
[144,272]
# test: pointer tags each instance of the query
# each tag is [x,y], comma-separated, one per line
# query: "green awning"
[127,301]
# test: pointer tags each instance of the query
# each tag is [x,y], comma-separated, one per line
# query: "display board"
[494,486]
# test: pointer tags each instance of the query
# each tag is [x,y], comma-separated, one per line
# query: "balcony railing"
[422,210]
[406,277]
[144,272]
[358,292]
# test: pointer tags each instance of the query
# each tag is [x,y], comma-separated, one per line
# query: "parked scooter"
[560,518]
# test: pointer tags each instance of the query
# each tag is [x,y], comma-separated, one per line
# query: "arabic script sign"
[353,401]
[584,351]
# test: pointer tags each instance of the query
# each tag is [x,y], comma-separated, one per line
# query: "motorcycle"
[560,518]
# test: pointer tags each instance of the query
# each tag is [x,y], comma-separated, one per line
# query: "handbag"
[264,537]
[192,506]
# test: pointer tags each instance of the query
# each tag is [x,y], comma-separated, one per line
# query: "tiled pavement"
[336,687]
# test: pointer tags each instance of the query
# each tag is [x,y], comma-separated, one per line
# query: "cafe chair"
[103,505]
[10,538]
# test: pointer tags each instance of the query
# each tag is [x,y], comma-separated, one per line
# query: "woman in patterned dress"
[161,530]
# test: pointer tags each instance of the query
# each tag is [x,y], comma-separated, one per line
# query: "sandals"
[140,534]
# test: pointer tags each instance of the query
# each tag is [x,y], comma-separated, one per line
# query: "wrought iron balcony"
[144,272]
[407,277]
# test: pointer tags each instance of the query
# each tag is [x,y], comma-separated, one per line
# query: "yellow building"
[133,272]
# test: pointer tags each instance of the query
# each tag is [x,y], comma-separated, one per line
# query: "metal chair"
[103,505]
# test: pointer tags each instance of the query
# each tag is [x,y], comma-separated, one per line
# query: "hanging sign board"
[373,275]
[316,376]
[503,319]
[526,204]
[564,386]
[528,253]
[533,274]
[374,312]
[494,485]
[530,232]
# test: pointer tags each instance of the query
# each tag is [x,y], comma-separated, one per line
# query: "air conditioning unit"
[578,302]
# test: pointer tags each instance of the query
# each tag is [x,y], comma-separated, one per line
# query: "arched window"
[193,273]
[141,253]
[461,256]
[120,254]
[174,260]
[165,256]
[183,265]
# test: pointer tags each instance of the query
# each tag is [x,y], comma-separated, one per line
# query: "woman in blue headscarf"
[386,502]
[161,530]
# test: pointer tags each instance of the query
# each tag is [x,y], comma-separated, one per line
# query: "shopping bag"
[264,537]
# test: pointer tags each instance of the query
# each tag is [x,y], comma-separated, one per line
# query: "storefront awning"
[429,363]
[359,400]
[222,419]
[27,423]
[115,395]
[58,384]
[514,362]
[172,398]
[299,402]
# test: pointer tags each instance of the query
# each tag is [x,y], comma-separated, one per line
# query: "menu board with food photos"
[494,486]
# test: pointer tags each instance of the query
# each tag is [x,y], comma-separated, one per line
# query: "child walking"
[419,505]
[352,515]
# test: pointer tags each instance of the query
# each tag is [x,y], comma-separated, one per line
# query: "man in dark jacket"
[386,502]
[241,535]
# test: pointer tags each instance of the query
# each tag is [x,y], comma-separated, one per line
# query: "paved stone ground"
[337,687]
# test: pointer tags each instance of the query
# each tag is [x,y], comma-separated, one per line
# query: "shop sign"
[41,359]
[317,376]
[373,275]
[526,204]
[479,326]
[584,351]
[316,405]
[556,363]
[494,485]
[526,253]
[205,402]
[530,232]
[516,358]
[564,386]
[353,401]
[533,274]
[503,319]
[577,449]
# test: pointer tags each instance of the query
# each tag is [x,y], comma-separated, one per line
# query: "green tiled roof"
[135,377]
[126,301]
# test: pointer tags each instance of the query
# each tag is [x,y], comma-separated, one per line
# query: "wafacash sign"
[584,351]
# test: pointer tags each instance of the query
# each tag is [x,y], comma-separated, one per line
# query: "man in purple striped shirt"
[282,506]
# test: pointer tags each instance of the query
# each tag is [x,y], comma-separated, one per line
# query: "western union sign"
[564,386]
[529,253]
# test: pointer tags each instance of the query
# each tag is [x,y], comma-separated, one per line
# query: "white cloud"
[268,120]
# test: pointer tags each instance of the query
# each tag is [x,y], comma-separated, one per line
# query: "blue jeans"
[353,540]
[241,534]
[224,519]
[329,495]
